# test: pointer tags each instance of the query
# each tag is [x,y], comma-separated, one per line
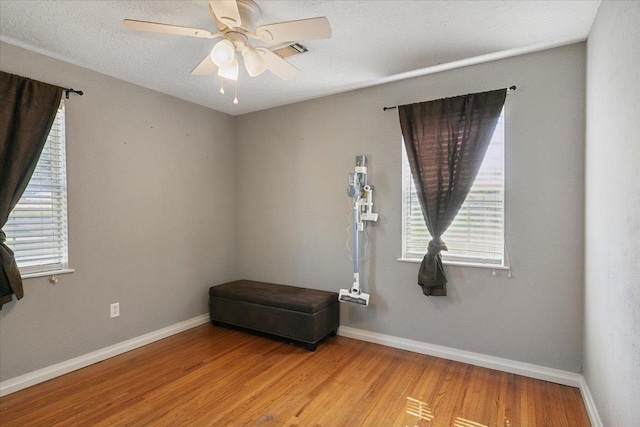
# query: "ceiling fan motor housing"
[249,14]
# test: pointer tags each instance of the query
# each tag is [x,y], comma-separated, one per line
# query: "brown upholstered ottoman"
[301,314]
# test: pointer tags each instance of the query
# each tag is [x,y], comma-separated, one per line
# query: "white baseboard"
[23,381]
[514,367]
[511,366]
[594,417]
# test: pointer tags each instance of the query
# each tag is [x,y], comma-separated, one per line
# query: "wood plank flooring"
[216,376]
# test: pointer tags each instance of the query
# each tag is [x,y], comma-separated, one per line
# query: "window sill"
[459,264]
[47,273]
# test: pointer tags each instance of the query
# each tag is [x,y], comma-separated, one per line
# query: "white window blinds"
[476,235]
[37,227]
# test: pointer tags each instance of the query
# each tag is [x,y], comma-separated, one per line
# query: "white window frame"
[494,247]
[37,229]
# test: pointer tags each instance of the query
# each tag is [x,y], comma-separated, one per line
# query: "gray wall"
[151,211]
[166,198]
[612,250]
[293,211]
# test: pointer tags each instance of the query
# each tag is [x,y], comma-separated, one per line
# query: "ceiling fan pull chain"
[235,92]
[222,85]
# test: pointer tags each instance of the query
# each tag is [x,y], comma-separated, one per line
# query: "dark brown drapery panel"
[446,141]
[27,111]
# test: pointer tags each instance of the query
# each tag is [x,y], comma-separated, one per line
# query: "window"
[476,236]
[37,227]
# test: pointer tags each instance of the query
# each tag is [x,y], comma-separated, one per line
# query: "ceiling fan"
[236,24]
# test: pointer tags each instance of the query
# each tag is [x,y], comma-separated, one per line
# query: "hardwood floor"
[212,376]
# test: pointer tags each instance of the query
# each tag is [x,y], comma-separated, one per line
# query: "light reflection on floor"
[463,422]
[424,414]
[419,409]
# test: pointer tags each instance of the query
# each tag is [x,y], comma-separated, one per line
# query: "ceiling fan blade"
[277,65]
[304,29]
[156,27]
[205,68]
[227,12]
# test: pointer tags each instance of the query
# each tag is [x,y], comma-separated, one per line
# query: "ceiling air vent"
[291,50]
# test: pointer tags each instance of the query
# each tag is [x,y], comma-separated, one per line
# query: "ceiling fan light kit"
[236,21]
[223,53]
[229,71]
[253,61]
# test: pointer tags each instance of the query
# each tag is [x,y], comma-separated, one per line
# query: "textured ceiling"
[373,41]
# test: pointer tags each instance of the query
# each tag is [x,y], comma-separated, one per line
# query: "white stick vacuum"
[362,195]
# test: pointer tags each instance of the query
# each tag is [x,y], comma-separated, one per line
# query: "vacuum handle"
[356,211]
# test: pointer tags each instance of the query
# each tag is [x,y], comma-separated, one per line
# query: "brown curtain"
[446,140]
[27,111]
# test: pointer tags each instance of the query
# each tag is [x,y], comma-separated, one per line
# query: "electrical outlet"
[115,309]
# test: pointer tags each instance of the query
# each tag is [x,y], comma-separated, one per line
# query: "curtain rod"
[395,106]
[68,91]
